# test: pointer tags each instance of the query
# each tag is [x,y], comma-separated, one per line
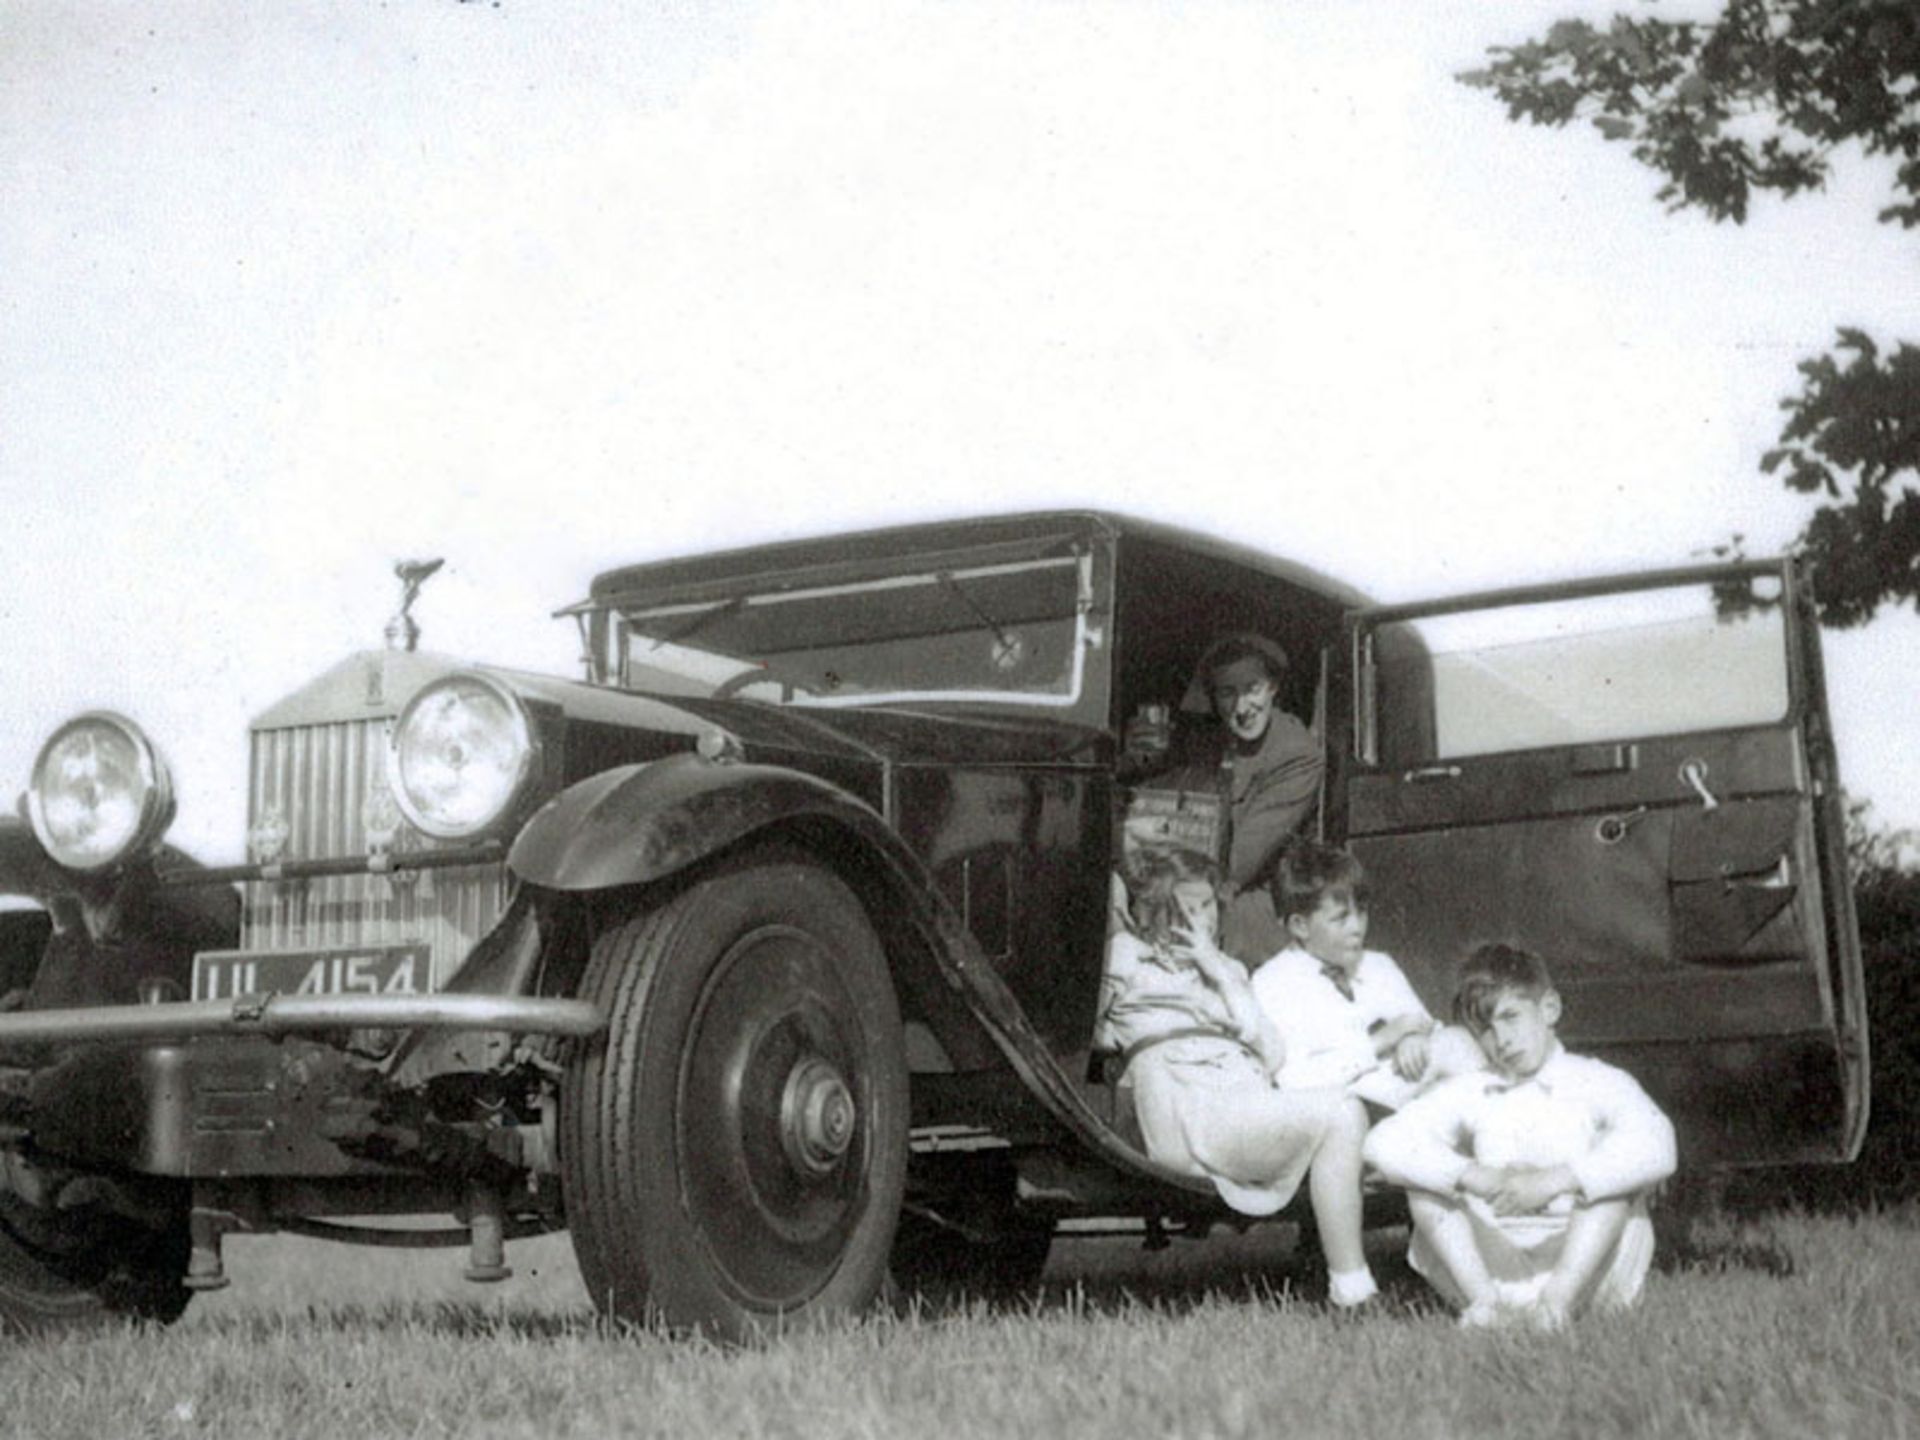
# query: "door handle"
[1430,772]
[1694,773]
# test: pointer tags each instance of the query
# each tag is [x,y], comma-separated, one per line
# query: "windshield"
[1663,661]
[1008,632]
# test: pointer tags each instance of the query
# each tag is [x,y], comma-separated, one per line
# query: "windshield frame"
[619,647]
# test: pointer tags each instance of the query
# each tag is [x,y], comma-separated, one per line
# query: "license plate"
[369,970]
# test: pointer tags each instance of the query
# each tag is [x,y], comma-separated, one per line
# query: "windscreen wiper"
[1006,643]
[695,624]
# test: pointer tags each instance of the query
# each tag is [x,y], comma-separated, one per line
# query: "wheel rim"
[817,1116]
[773,1119]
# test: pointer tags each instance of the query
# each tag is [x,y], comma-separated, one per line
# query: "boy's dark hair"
[1308,871]
[1487,973]
[1151,879]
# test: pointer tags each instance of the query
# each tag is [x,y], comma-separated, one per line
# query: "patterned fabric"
[1266,791]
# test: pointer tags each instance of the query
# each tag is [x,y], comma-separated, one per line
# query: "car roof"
[1033,532]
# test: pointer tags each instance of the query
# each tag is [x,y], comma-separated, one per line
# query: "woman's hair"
[1309,871]
[1490,971]
[1238,648]
[1152,878]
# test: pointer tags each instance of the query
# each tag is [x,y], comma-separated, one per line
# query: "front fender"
[110,932]
[643,822]
[637,823]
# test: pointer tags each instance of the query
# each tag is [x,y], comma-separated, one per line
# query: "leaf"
[1694,90]
[1755,102]
[1573,35]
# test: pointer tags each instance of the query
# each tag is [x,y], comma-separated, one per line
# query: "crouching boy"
[1528,1184]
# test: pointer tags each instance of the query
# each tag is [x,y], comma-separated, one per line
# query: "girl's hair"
[1152,878]
[1308,872]
[1490,971]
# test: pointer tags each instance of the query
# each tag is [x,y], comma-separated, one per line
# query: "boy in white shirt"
[1528,1184]
[1348,1014]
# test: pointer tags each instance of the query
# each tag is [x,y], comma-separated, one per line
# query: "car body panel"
[978,827]
[1680,884]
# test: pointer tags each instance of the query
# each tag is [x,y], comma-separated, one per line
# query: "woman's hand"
[1229,977]
[1198,949]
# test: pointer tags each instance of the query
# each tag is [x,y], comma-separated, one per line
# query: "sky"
[290,292]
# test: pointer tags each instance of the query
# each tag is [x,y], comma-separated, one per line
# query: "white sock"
[1348,1288]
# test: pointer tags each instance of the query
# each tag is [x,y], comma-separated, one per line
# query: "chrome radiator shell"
[324,782]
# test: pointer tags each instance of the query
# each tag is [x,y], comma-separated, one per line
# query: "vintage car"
[764,959]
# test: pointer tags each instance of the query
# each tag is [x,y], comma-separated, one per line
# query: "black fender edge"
[636,824]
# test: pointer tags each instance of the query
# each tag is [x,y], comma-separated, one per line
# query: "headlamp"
[460,756]
[100,792]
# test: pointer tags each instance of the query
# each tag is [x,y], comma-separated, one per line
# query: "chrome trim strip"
[482,854]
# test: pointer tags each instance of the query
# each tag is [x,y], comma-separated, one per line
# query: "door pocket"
[1732,878]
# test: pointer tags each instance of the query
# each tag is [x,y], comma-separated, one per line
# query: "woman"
[1199,1058]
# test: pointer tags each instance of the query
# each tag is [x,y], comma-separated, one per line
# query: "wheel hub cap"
[816,1116]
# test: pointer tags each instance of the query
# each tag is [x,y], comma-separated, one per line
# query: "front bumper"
[275,1015]
[227,1088]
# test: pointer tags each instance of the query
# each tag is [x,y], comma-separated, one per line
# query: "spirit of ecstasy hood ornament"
[403,631]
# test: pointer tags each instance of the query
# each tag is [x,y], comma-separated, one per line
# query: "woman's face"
[1243,695]
[1199,907]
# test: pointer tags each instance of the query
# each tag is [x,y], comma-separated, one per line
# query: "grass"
[1789,1325]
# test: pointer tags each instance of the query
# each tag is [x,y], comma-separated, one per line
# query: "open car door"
[1635,778]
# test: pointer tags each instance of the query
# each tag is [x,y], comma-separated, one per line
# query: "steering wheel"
[734,684]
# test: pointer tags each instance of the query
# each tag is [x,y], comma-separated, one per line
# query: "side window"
[1665,661]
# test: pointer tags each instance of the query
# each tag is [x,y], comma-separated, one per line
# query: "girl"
[1200,1057]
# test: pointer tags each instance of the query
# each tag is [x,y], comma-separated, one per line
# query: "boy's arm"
[1398,997]
[1427,1145]
[1401,1035]
[1269,994]
[1397,1006]
[1636,1145]
[1635,1150]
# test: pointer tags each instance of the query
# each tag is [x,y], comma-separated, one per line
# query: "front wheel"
[734,1150]
[73,1272]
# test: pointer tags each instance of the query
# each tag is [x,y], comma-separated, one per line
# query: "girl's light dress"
[1205,1103]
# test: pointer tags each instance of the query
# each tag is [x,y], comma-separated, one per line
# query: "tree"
[1877,856]
[1764,97]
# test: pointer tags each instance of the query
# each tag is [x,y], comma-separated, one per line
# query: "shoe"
[1546,1319]
[1485,1315]
[1349,1290]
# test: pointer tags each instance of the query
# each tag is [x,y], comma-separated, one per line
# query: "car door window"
[1667,661]
[1632,777]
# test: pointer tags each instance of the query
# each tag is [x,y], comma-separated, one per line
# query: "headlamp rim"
[516,789]
[156,803]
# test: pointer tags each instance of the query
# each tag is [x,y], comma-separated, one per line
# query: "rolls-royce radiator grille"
[323,788]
